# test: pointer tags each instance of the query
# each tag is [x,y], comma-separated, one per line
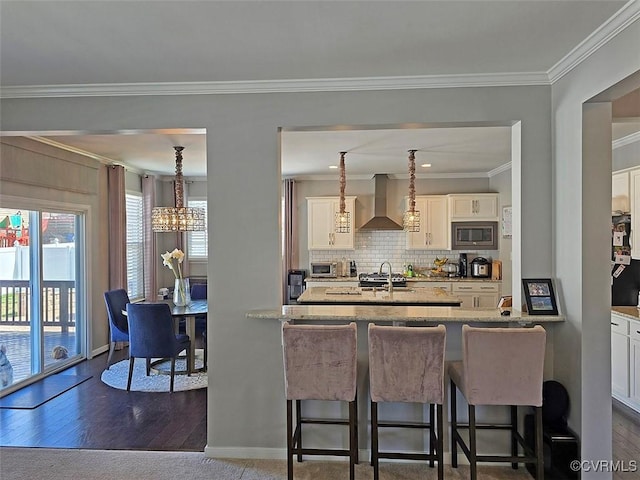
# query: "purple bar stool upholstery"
[500,366]
[406,364]
[320,363]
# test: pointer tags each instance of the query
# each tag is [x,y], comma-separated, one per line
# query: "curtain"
[117,231]
[150,260]
[290,217]
[117,228]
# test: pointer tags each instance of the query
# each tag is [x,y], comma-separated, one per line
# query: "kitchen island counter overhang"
[401,314]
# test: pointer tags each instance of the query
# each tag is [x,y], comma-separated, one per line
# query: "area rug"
[63,464]
[42,391]
[117,374]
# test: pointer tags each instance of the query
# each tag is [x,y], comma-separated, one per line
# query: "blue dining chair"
[116,301]
[199,292]
[151,335]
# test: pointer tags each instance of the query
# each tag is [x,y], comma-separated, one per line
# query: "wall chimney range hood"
[380,221]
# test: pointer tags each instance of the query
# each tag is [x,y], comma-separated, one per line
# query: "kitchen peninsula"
[405,296]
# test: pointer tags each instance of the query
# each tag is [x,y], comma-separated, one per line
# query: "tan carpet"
[63,464]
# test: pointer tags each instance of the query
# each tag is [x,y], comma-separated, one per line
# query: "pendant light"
[343,218]
[178,218]
[412,216]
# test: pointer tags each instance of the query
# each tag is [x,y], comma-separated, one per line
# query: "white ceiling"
[68,43]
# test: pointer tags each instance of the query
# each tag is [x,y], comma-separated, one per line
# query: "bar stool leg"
[514,433]
[432,445]
[298,433]
[357,438]
[289,440]
[454,427]
[539,448]
[353,440]
[440,441]
[473,460]
[374,440]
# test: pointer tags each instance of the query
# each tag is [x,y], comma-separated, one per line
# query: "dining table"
[188,313]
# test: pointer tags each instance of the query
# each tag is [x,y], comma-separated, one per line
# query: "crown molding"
[621,142]
[500,169]
[628,14]
[277,86]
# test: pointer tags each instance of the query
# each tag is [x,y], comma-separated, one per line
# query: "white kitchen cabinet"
[634,197]
[470,207]
[620,193]
[619,356]
[477,294]
[434,224]
[634,362]
[321,212]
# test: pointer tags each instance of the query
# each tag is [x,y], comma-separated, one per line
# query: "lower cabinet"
[625,361]
[478,294]
[619,356]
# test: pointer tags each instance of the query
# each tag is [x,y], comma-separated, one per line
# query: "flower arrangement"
[173,260]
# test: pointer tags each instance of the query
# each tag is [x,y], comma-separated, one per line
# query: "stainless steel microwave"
[324,269]
[474,235]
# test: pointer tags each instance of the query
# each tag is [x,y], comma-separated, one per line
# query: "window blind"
[197,241]
[135,264]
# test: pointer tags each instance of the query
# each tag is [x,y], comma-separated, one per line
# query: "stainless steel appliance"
[480,268]
[469,235]
[324,269]
[295,285]
[381,279]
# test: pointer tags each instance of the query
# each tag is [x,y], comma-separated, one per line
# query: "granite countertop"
[364,295]
[629,312]
[409,279]
[403,314]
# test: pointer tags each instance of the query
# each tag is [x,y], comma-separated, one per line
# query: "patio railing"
[58,303]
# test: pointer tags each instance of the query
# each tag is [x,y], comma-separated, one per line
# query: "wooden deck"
[17,341]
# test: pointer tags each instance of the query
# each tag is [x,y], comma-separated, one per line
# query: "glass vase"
[181,292]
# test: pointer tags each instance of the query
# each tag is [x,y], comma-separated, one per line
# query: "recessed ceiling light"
[426,165]
[333,166]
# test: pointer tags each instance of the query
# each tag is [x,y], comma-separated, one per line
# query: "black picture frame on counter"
[540,297]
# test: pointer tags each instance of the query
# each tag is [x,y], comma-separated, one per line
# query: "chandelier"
[343,218]
[178,218]
[411,218]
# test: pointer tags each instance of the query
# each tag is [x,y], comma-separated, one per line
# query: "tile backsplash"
[374,247]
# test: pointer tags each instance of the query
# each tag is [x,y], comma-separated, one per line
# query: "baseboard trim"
[99,351]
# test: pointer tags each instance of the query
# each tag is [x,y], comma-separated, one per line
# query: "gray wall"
[245,398]
[502,183]
[582,197]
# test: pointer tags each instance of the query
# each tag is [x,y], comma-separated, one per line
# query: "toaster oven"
[324,269]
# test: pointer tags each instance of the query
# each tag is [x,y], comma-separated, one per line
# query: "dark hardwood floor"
[96,416]
[626,440]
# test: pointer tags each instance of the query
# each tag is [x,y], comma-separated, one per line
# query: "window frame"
[204,243]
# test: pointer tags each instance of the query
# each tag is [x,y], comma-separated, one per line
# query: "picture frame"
[540,297]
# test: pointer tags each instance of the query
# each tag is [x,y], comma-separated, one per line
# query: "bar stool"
[406,364]
[320,363]
[500,366]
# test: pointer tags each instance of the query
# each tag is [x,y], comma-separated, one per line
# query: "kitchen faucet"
[390,274]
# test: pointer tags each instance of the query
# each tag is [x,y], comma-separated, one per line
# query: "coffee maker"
[462,265]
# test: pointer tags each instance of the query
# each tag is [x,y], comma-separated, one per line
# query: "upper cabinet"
[476,206]
[321,213]
[634,196]
[620,193]
[434,224]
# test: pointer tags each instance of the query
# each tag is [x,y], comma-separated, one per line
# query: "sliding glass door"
[40,296]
